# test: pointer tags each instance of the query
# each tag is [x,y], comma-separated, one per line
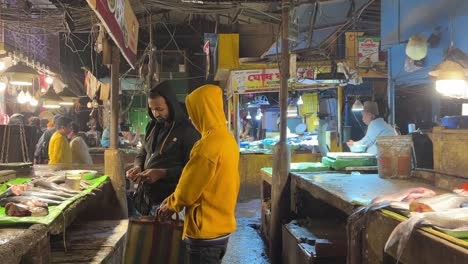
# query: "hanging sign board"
[264,80]
[368,51]
[121,24]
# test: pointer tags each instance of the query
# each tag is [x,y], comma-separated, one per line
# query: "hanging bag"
[142,200]
[153,241]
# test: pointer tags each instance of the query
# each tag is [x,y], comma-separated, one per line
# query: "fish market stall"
[251,97]
[54,214]
[323,199]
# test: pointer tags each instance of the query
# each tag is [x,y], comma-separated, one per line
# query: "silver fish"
[53,186]
[16,189]
[44,195]
[20,199]
[438,203]
[450,219]
[59,193]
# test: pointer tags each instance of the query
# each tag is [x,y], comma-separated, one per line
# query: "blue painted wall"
[401,19]
[421,17]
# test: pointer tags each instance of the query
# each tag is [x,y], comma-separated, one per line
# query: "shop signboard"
[368,50]
[121,24]
[263,80]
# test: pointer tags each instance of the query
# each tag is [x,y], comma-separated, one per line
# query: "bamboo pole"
[113,161]
[281,156]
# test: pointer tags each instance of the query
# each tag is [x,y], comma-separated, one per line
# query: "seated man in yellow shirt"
[59,148]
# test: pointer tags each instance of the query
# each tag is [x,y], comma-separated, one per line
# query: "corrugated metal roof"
[317,22]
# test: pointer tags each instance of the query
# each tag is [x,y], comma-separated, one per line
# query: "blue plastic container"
[451,122]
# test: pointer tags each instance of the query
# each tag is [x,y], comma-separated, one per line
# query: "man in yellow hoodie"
[59,148]
[209,184]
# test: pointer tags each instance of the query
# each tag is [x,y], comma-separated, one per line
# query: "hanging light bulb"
[299,101]
[2,87]
[450,79]
[49,80]
[248,117]
[27,97]
[33,102]
[21,97]
[357,106]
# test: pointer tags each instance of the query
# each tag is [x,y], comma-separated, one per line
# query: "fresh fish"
[20,209]
[407,195]
[450,219]
[16,189]
[438,203]
[20,199]
[34,203]
[44,195]
[17,209]
[59,193]
[53,186]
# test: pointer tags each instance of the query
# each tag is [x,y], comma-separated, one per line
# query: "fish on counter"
[438,203]
[52,186]
[30,208]
[449,219]
[16,189]
[406,196]
[20,199]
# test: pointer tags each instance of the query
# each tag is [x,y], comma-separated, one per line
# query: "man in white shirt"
[376,127]
[79,148]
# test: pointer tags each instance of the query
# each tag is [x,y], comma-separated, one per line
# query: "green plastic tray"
[339,164]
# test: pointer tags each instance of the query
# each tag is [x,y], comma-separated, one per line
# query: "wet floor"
[246,245]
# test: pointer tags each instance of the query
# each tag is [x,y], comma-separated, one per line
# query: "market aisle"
[246,245]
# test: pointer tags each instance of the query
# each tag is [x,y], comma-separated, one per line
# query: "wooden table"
[341,191]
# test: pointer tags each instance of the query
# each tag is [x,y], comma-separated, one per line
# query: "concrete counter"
[336,195]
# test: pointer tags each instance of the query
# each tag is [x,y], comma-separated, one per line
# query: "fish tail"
[402,233]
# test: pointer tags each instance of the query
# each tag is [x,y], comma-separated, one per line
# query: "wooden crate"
[450,151]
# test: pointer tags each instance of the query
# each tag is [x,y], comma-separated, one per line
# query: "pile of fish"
[449,210]
[33,198]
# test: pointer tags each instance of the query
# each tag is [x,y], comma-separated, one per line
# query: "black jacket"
[167,146]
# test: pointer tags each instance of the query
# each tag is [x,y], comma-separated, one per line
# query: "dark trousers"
[205,251]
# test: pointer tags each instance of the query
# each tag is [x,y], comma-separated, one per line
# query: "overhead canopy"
[317,22]
[401,19]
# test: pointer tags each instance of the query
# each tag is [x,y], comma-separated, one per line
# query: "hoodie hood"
[176,113]
[205,107]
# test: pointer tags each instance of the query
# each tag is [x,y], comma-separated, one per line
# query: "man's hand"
[132,173]
[350,143]
[152,175]
[164,211]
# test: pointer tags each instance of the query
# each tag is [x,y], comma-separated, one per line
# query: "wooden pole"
[149,77]
[340,117]
[281,156]
[115,86]
[113,161]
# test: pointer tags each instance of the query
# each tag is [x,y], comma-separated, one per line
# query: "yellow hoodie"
[59,149]
[209,184]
